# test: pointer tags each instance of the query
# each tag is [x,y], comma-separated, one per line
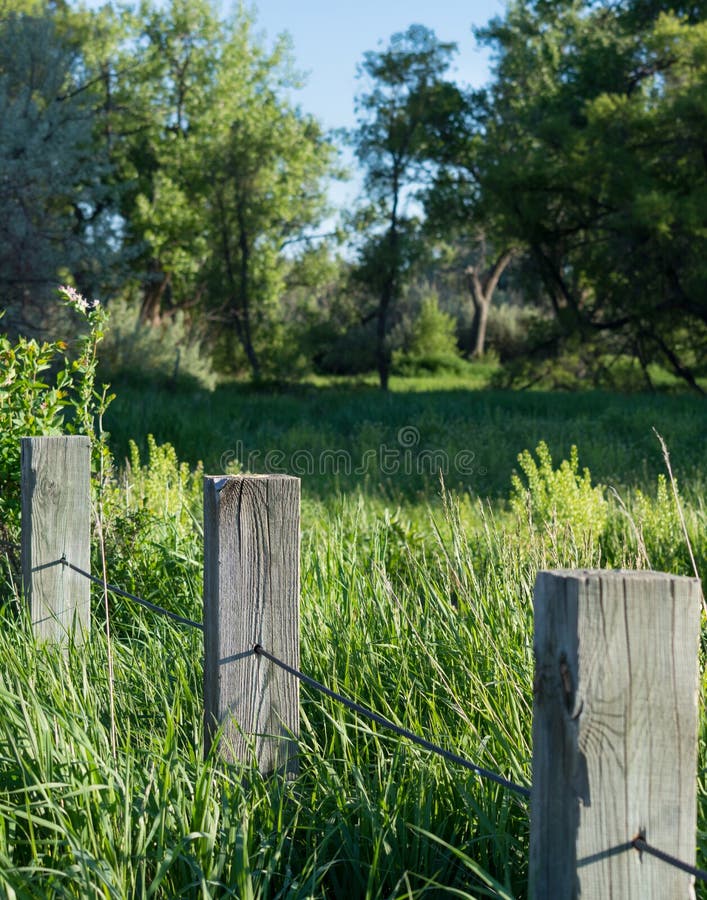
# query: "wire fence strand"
[306,679]
[128,596]
[644,847]
[639,843]
[391,726]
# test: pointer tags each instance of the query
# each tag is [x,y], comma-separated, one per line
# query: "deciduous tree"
[56,217]
[596,117]
[400,110]
[232,174]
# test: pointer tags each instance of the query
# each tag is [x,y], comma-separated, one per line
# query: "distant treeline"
[155,156]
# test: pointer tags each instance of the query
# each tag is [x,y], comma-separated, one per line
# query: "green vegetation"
[432,345]
[156,156]
[235,424]
[48,388]
[416,600]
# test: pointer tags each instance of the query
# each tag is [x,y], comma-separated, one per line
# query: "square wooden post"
[56,523]
[251,596]
[614,734]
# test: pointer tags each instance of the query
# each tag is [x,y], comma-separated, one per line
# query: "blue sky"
[330,38]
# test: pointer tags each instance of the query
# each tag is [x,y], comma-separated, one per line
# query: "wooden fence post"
[614,734]
[251,596]
[56,522]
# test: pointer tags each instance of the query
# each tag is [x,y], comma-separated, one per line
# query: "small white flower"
[77,300]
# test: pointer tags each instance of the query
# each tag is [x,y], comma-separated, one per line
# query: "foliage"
[511,329]
[350,353]
[162,486]
[413,602]
[162,140]
[167,353]
[578,167]
[655,528]
[152,530]
[231,184]
[406,100]
[54,198]
[559,503]
[48,388]
[434,331]
[160,148]
[485,426]
[432,343]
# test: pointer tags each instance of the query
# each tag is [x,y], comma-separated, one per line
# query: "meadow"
[416,601]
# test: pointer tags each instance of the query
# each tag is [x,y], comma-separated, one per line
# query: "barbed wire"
[643,846]
[391,726]
[114,589]
[306,679]
[639,843]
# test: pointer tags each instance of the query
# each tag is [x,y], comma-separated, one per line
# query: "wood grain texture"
[251,596]
[56,521]
[614,733]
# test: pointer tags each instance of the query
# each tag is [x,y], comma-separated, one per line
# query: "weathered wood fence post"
[251,596]
[56,522]
[614,734]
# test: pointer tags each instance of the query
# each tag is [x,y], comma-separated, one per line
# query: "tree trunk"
[251,355]
[388,296]
[681,370]
[244,311]
[482,289]
[481,319]
[382,355]
[156,291]
[239,283]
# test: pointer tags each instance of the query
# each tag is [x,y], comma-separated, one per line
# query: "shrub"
[511,328]
[351,353]
[432,343]
[152,530]
[660,532]
[558,503]
[168,354]
[46,389]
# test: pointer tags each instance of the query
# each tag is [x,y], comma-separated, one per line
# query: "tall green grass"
[416,601]
[368,815]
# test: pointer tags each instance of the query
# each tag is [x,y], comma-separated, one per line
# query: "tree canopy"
[398,118]
[166,134]
[596,115]
[156,153]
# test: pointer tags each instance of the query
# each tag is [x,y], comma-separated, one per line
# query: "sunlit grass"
[415,601]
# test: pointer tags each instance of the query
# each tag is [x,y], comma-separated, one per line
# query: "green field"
[416,600]
[613,433]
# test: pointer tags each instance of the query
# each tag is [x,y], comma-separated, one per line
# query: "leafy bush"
[411,367]
[46,389]
[167,354]
[510,329]
[559,503]
[162,486]
[152,530]
[351,353]
[658,531]
[432,343]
